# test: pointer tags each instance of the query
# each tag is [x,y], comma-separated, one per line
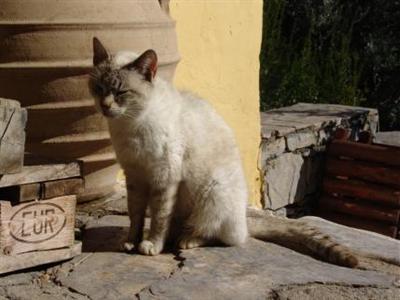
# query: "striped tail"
[299,236]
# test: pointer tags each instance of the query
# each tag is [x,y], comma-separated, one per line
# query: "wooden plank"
[21,193]
[42,190]
[361,190]
[387,155]
[370,172]
[362,210]
[62,187]
[36,258]
[42,171]
[352,221]
[12,136]
[342,134]
[38,225]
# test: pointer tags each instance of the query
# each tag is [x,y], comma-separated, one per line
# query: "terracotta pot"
[45,56]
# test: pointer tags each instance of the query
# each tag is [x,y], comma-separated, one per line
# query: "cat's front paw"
[128,247]
[149,248]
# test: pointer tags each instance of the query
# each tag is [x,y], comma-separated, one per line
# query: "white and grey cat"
[180,158]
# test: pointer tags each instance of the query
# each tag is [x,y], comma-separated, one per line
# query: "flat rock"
[334,292]
[282,121]
[252,272]
[104,271]
[17,279]
[257,270]
[249,272]
[300,139]
[112,275]
[37,292]
[34,285]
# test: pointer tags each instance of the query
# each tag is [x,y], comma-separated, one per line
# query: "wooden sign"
[38,225]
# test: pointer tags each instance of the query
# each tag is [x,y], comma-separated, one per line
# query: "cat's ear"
[145,64]
[100,53]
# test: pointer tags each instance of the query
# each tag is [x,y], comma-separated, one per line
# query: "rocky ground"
[258,270]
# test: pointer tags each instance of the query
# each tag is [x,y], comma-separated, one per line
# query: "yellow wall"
[219,42]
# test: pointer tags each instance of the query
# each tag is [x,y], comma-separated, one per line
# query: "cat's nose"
[107,103]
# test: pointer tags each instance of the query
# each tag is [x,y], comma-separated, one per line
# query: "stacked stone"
[293,146]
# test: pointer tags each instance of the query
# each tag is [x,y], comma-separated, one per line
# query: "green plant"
[332,51]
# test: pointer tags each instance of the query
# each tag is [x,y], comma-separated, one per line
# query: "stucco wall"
[219,42]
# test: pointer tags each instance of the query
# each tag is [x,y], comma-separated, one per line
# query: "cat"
[181,160]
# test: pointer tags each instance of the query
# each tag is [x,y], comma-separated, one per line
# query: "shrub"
[332,51]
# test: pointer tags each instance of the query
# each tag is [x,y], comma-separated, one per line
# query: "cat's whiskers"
[133,111]
[129,116]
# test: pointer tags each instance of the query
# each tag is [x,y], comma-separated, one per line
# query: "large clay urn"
[45,58]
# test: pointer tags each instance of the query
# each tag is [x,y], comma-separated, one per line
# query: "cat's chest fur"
[151,146]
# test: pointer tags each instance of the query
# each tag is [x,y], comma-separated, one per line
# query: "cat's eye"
[120,93]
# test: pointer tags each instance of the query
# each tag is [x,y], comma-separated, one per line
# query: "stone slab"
[248,272]
[334,292]
[299,120]
[282,184]
[256,270]
[280,129]
[300,139]
[113,275]
[252,272]
[103,271]
[322,109]
[17,279]
[37,292]
[270,149]
[288,119]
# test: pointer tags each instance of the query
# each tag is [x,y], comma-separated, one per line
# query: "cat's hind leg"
[189,242]
[230,198]
[206,217]
[233,231]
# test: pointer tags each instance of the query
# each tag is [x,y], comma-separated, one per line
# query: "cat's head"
[120,84]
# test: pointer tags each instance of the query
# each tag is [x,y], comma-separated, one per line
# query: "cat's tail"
[299,236]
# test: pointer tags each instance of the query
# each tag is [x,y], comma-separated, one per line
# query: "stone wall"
[291,156]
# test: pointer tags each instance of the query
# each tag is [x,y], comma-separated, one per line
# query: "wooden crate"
[37,225]
[12,136]
[37,214]
[361,186]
